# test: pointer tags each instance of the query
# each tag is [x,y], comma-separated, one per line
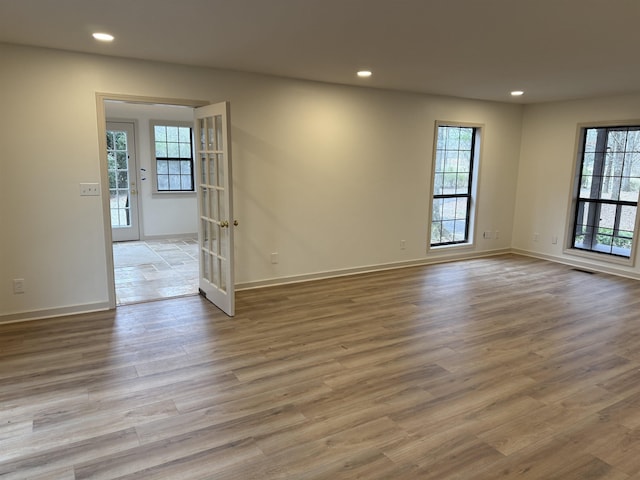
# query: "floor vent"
[582,271]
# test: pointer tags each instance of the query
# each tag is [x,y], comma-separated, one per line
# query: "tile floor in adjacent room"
[155,269]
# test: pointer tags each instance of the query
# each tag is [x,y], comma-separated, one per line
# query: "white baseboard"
[53,312]
[177,236]
[434,259]
[368,269]
[574,262]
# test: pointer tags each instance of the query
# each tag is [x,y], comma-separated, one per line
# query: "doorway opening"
[213,196]
[154,233]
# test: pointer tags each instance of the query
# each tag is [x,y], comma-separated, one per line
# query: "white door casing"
[215,205]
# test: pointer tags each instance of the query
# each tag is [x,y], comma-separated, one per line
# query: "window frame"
[574,200]
[474,173]
[154,159]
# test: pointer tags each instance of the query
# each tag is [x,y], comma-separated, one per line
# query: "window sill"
[177,194]
[447,248]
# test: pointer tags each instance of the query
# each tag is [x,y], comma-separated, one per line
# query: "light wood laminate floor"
[496,368]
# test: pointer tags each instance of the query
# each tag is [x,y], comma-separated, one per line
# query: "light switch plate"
[89,189]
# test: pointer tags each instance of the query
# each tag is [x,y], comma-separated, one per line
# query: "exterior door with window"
[215,205]
[123,190]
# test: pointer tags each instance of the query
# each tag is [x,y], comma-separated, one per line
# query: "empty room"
[413,226]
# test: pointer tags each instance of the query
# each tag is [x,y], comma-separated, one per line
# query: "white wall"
[545,180]
[330,177]
[161,214]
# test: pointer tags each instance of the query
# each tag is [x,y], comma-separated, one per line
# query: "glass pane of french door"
[216,227]
[121,166]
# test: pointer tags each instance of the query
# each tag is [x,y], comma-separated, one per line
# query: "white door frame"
[104,174]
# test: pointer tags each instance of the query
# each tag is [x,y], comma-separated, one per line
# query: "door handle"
[224,224]
[235,223]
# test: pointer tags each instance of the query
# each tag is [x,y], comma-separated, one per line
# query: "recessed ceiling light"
[364,73]
[517,93]
[103,37]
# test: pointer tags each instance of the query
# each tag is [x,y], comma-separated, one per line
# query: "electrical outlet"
[274,257]
[536,236]
[554,240]
[497,236]
[89,189]
[487,235]
[18,285]
[403,244]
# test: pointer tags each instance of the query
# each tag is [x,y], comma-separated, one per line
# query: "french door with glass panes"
[123,194]
[215,205]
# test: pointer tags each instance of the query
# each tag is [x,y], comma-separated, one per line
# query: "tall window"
[174,158]
[453,171]
[607,190]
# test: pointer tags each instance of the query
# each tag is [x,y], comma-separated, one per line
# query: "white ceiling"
[552,49]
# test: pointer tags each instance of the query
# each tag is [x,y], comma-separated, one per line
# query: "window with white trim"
[606,190]
[454,166]
[173,153]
